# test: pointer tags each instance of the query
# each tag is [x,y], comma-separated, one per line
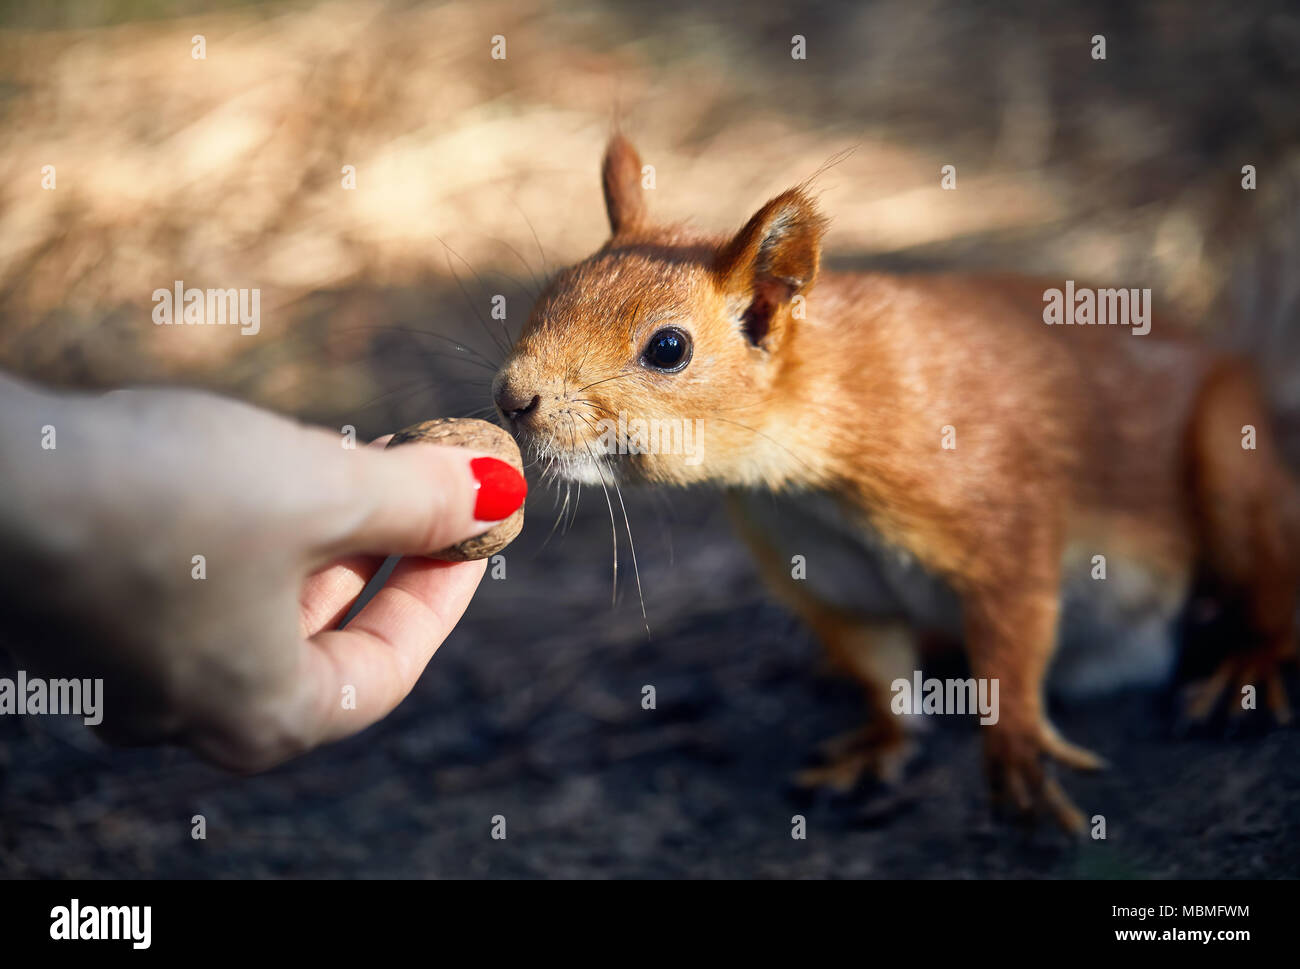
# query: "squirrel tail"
[1262,296]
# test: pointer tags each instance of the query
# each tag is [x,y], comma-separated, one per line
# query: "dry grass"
[227,171]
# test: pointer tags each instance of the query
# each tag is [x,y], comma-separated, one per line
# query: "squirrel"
[947,464]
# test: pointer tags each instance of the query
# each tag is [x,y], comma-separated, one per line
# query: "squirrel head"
[654,359]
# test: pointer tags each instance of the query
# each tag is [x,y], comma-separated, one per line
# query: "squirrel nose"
[515,405]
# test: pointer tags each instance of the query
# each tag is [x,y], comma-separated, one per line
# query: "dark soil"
[532,710]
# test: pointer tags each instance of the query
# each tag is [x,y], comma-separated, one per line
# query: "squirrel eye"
[669,350]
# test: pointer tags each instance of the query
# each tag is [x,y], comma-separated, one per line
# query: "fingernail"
[501,489]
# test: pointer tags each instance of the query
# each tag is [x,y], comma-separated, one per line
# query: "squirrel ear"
[773,258]
[621,178]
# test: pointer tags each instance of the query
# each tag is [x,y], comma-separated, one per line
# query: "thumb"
[420,498]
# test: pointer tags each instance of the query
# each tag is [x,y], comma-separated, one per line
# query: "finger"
[329,593]
[420,498]
[375,661]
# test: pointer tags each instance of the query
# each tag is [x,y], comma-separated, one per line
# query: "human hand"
[235,655]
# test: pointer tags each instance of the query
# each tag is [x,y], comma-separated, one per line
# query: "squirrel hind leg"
[1247,512]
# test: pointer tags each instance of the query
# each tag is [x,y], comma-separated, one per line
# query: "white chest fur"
[1114,633]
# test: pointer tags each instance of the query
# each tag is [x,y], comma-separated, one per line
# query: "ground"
[532,710]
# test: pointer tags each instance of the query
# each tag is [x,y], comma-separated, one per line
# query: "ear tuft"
[773,258]
[781,243]
[621,178]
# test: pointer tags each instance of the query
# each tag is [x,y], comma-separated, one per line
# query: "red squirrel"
[945,461]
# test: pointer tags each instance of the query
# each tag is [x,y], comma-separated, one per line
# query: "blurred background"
[476,177]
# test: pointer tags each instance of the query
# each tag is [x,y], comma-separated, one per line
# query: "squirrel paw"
[866,752]
[1018,777]
[1260,668]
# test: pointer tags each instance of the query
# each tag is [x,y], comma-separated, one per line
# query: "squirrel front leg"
[1011,631]
[874,650]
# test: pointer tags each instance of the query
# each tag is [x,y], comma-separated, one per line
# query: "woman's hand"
[197,554]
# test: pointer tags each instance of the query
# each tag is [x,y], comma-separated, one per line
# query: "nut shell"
[477,436]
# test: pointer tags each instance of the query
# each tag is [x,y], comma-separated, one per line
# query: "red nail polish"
[501,489]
